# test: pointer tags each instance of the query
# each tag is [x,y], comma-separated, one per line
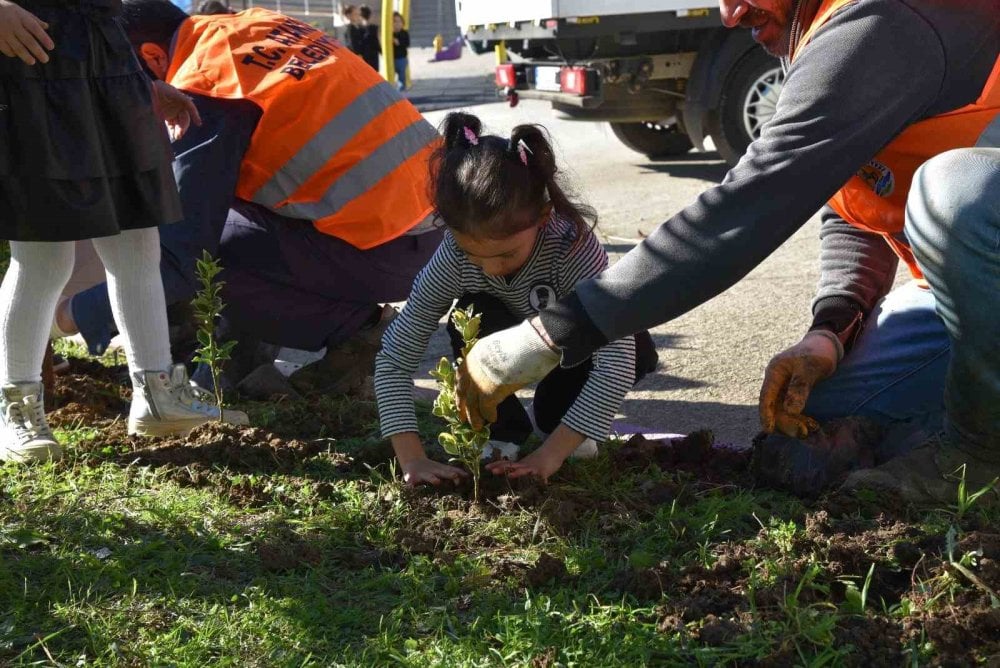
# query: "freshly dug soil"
[916,598]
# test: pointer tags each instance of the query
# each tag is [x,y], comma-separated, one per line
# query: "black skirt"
[82,153]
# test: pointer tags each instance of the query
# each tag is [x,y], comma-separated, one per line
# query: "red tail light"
[573,80]
[505,76]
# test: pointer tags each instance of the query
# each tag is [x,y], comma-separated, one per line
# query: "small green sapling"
[207,307]
[462,442]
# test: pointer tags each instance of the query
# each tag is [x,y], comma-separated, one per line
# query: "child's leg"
[163,402]
[646,357]
[38,271]
[400,66]
[513,424]
[132,262]
[556,393]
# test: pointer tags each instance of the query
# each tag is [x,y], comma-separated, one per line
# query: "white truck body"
[482,12]
[663,73]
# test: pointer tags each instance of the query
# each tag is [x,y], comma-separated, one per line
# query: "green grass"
[108,562]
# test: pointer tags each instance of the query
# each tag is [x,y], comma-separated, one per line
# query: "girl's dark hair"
[211,7]
[483,189]
[366,12]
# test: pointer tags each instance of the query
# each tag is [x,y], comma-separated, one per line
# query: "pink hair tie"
[523,151]
[470,136]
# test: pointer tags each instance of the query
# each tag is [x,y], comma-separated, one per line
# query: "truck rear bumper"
[562,99]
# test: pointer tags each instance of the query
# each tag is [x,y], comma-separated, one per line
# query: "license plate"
[547,78]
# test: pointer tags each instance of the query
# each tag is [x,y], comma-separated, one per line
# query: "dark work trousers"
[556,393]
[289,284]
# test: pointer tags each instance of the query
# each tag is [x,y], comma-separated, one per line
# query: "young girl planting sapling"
[515,243]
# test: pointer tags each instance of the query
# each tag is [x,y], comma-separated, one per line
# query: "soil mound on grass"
[695,453]
[238,449]
[214,454]
[104,391]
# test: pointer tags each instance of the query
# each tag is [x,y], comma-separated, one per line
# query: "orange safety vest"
[335,143]
[874,199]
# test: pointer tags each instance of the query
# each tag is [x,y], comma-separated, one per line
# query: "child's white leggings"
[38,272]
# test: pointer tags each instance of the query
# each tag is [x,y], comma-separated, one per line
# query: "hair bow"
[470,136]
[523,151]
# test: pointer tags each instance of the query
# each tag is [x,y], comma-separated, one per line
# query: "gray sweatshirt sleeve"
[857,269]
[873,69]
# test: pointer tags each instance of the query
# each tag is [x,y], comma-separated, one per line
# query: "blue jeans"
[930,359]
[401,64]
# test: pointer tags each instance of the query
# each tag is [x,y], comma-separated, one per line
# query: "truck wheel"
[652,139]
[748,101]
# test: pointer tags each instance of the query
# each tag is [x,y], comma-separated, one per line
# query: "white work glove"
[499,365]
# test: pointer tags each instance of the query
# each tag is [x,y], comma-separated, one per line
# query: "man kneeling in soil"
[307,179]
[890,114]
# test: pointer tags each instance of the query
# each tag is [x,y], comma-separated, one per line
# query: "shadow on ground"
[684,417]
[705,166]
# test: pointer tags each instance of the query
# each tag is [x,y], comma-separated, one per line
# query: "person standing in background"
[370,47]
[353,32]
[400,43]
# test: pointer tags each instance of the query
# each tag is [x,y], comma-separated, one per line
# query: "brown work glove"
[790,377]
[497,367]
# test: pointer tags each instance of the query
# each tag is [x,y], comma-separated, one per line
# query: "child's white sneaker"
[503,449]
[25,436]
[168,404]
[586,450]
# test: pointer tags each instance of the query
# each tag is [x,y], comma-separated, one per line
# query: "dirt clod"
[287,555]
[717,631]
[547,569]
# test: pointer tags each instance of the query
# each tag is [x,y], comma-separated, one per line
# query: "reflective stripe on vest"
[874,199]
[330,139]
[371,169]
[335,144]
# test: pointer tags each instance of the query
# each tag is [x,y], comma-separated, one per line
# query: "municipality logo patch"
[878,177]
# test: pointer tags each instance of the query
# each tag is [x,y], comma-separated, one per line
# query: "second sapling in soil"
[208,305]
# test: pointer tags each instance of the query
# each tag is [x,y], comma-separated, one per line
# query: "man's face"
[770,21]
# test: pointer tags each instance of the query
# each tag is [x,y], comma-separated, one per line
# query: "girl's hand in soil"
[175,108]
[544,461]
[424,471]
[417,468]
[22,34]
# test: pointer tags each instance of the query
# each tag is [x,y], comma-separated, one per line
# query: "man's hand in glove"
[499,365]
[791,376]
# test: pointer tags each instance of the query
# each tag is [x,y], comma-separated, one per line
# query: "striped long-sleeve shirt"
[554,267]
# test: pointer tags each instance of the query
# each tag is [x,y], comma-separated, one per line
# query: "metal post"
[388,58]
[501,52]
[405,11]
